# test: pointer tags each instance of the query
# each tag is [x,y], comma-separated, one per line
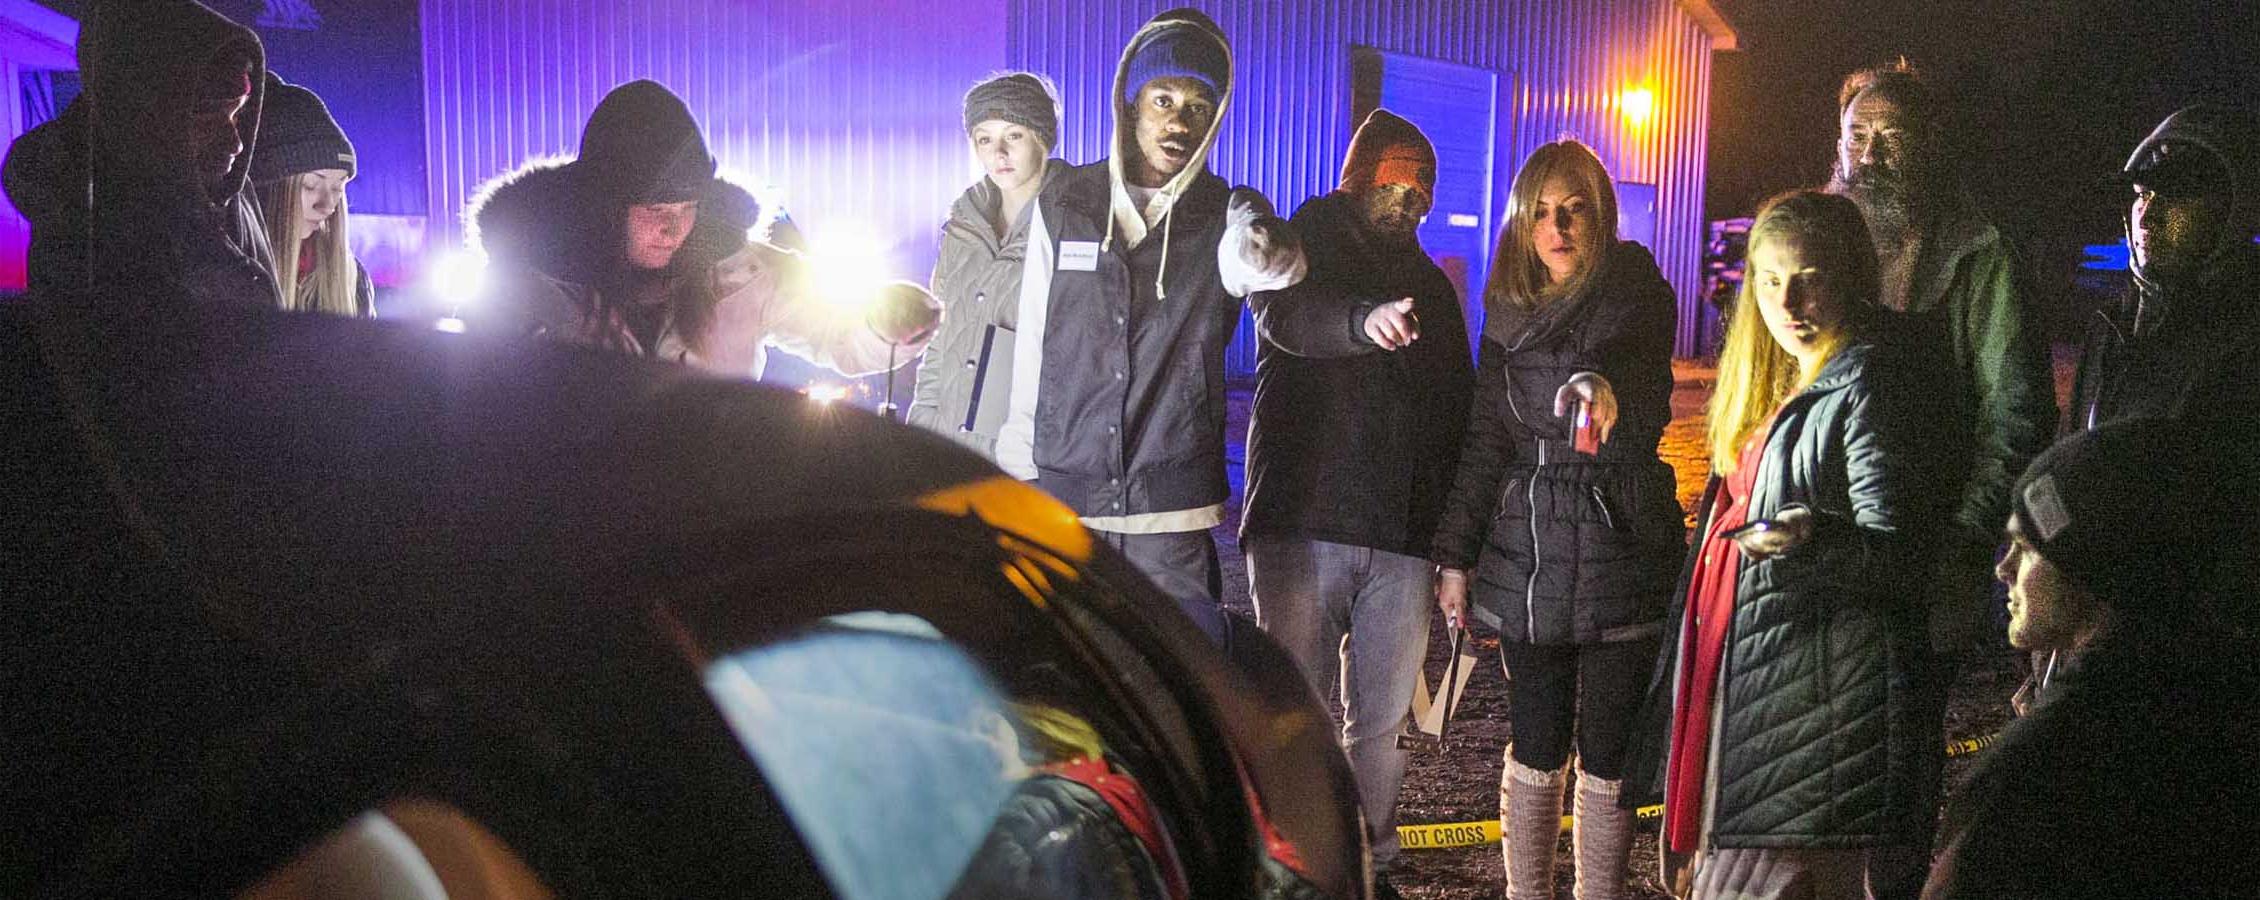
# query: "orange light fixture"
[1638,105]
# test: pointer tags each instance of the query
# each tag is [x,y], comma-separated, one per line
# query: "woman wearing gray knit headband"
[965,381]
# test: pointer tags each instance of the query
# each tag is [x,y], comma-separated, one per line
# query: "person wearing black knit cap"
[2132,777]
[300,171]
[636,246]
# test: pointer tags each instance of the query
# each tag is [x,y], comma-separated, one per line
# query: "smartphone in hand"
[1754,526]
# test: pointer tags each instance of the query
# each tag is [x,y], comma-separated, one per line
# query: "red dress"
[1702,647]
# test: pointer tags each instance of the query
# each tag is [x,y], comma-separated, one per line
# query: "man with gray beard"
[1949,273]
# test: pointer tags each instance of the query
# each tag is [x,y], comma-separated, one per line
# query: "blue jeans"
[1360,617]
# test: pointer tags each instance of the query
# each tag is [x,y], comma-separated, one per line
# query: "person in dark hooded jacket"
[2184,341]
[636,246]
[2194,305]
[1133,288]
[1567,552]
[1349,458]
[2133,776]
[141,183]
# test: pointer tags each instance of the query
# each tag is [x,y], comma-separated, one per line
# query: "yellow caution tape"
[1477,834]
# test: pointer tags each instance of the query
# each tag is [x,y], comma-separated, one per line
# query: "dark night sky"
[2049,97]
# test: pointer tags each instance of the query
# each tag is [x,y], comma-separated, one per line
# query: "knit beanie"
[2125,510]
[1188,47]
[1022,98]
[642,146]
[1389,150]
[297,135]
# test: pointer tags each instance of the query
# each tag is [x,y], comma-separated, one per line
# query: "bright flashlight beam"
[846,265]
[458,277]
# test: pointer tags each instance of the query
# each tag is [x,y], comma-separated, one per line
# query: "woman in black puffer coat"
[1569,555]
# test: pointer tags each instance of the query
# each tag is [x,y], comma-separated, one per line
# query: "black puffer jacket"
[1565,547]
[1819,734]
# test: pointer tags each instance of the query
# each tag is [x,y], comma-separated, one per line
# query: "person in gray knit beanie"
[1021,98]
[299,172]
[964,383]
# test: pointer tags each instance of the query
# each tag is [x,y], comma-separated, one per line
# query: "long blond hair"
[1518,277]
[1755,374]
[333,286]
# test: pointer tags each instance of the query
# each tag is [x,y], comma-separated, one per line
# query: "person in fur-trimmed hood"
[636,246]
[1136,272]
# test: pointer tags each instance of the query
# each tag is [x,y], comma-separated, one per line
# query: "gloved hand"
[1260,251]
[904,313]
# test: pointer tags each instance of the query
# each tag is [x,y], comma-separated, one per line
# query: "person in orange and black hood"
[141,183]
[1349,458]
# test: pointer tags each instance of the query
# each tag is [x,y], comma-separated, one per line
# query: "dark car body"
[268,572]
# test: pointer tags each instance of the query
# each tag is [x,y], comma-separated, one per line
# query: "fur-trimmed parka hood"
[549,216]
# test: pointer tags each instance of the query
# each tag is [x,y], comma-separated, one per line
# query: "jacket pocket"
[1499,511]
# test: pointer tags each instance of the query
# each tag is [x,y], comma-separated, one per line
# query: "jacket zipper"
[1530,496]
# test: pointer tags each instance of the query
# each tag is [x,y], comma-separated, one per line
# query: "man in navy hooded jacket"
[1137,266]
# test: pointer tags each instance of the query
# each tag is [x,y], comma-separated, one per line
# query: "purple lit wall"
[1563,66]
[32,38]
[848,117]
[847,114]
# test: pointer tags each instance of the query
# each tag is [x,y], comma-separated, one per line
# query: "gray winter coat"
[965,380]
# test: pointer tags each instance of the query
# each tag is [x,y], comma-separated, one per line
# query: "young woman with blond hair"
[299,171]
[1792,645]
[1566,547]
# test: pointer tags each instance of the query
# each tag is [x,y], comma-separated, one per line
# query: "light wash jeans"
[1359,617]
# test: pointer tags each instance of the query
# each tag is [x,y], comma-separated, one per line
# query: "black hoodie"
[111,201]
[2167,345]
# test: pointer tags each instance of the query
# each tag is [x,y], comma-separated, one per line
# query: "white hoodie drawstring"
[1160,292]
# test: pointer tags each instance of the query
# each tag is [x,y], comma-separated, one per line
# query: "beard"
[1887,198]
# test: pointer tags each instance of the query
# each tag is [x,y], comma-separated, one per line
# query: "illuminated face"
[1794,296]
[1871,146]
[2047,611]
[1562,226]
[1393,211]
[1010,154]
[656,230]
[320,193]
[2172,233]
[1173,115]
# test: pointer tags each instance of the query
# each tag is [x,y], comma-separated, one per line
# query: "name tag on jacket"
[1078,256]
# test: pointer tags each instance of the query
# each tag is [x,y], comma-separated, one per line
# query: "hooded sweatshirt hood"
[2225,135]
[144,64]
[144,67]
[1199,42]
[2216,136]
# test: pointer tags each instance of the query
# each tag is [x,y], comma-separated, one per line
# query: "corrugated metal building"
[847,112]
